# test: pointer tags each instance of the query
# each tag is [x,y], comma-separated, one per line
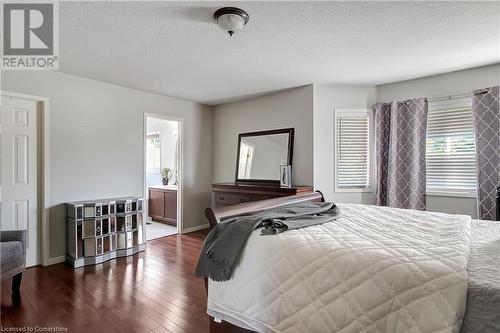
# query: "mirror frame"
[289,131]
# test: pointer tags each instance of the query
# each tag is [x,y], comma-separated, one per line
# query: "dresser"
[226,194]
[100,230]
[162,204]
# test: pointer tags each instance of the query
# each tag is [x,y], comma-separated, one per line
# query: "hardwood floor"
[154,291]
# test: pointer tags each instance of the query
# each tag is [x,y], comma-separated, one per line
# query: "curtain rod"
[444,98]
[464,95]
[482,91]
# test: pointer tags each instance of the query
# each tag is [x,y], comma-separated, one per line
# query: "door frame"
[43,106]
[180,171]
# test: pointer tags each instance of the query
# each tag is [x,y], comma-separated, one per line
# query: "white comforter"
[375,269]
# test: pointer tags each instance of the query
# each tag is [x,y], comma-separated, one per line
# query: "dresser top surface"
[260,186]
[163,187]
[102,201]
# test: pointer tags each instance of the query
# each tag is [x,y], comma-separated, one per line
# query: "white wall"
[290,108]
[328,97]
[459,82]
[96,143]
[438,86]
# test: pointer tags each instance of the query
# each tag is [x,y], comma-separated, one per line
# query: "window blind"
[450,147]
[352,150]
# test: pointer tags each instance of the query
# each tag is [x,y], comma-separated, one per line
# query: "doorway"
[22,172]
[162,175]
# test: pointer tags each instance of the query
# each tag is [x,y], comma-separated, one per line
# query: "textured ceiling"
[174,48]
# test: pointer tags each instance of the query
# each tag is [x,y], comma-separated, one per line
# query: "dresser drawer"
[230,198]
[90,247]
[257,197]
[99,246]
[122,241]
[106,244]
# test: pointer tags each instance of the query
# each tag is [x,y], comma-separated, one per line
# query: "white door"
[18,180]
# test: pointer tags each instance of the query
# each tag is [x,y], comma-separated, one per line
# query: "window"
[450,148]
[153,156]
[352,150]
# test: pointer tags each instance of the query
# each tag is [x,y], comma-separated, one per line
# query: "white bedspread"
[375,269]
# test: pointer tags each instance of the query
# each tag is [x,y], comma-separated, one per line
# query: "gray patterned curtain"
[382,113]
[400,149]
[486,113]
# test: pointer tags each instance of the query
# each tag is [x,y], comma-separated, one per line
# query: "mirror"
[260,155]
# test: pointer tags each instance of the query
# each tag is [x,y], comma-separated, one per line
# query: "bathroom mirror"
[260,155]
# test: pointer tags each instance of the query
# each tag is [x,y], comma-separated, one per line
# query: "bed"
[376,269]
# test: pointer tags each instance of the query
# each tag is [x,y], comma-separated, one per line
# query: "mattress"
[375,269]
[483,296]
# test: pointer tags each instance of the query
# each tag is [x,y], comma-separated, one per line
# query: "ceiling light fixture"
[231,19]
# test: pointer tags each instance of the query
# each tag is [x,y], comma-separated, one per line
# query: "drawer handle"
[221,198]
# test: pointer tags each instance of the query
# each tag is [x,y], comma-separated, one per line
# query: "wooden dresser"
[163,204]
[235,193]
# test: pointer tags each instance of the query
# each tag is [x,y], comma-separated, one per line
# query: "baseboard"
[55,260]
[196,228]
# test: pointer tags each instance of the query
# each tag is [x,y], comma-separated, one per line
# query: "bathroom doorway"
[162,175]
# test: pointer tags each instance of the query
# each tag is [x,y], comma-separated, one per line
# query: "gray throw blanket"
[224,244]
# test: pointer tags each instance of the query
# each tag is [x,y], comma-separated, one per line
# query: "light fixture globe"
[231,19]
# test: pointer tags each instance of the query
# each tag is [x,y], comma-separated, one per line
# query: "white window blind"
[450,147]
[352,150]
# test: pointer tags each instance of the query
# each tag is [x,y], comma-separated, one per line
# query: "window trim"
[338,112]
[444,104]
[451,194]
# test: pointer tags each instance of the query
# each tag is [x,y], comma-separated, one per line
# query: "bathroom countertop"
[164,187]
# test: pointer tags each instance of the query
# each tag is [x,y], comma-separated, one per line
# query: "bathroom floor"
[158,230]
